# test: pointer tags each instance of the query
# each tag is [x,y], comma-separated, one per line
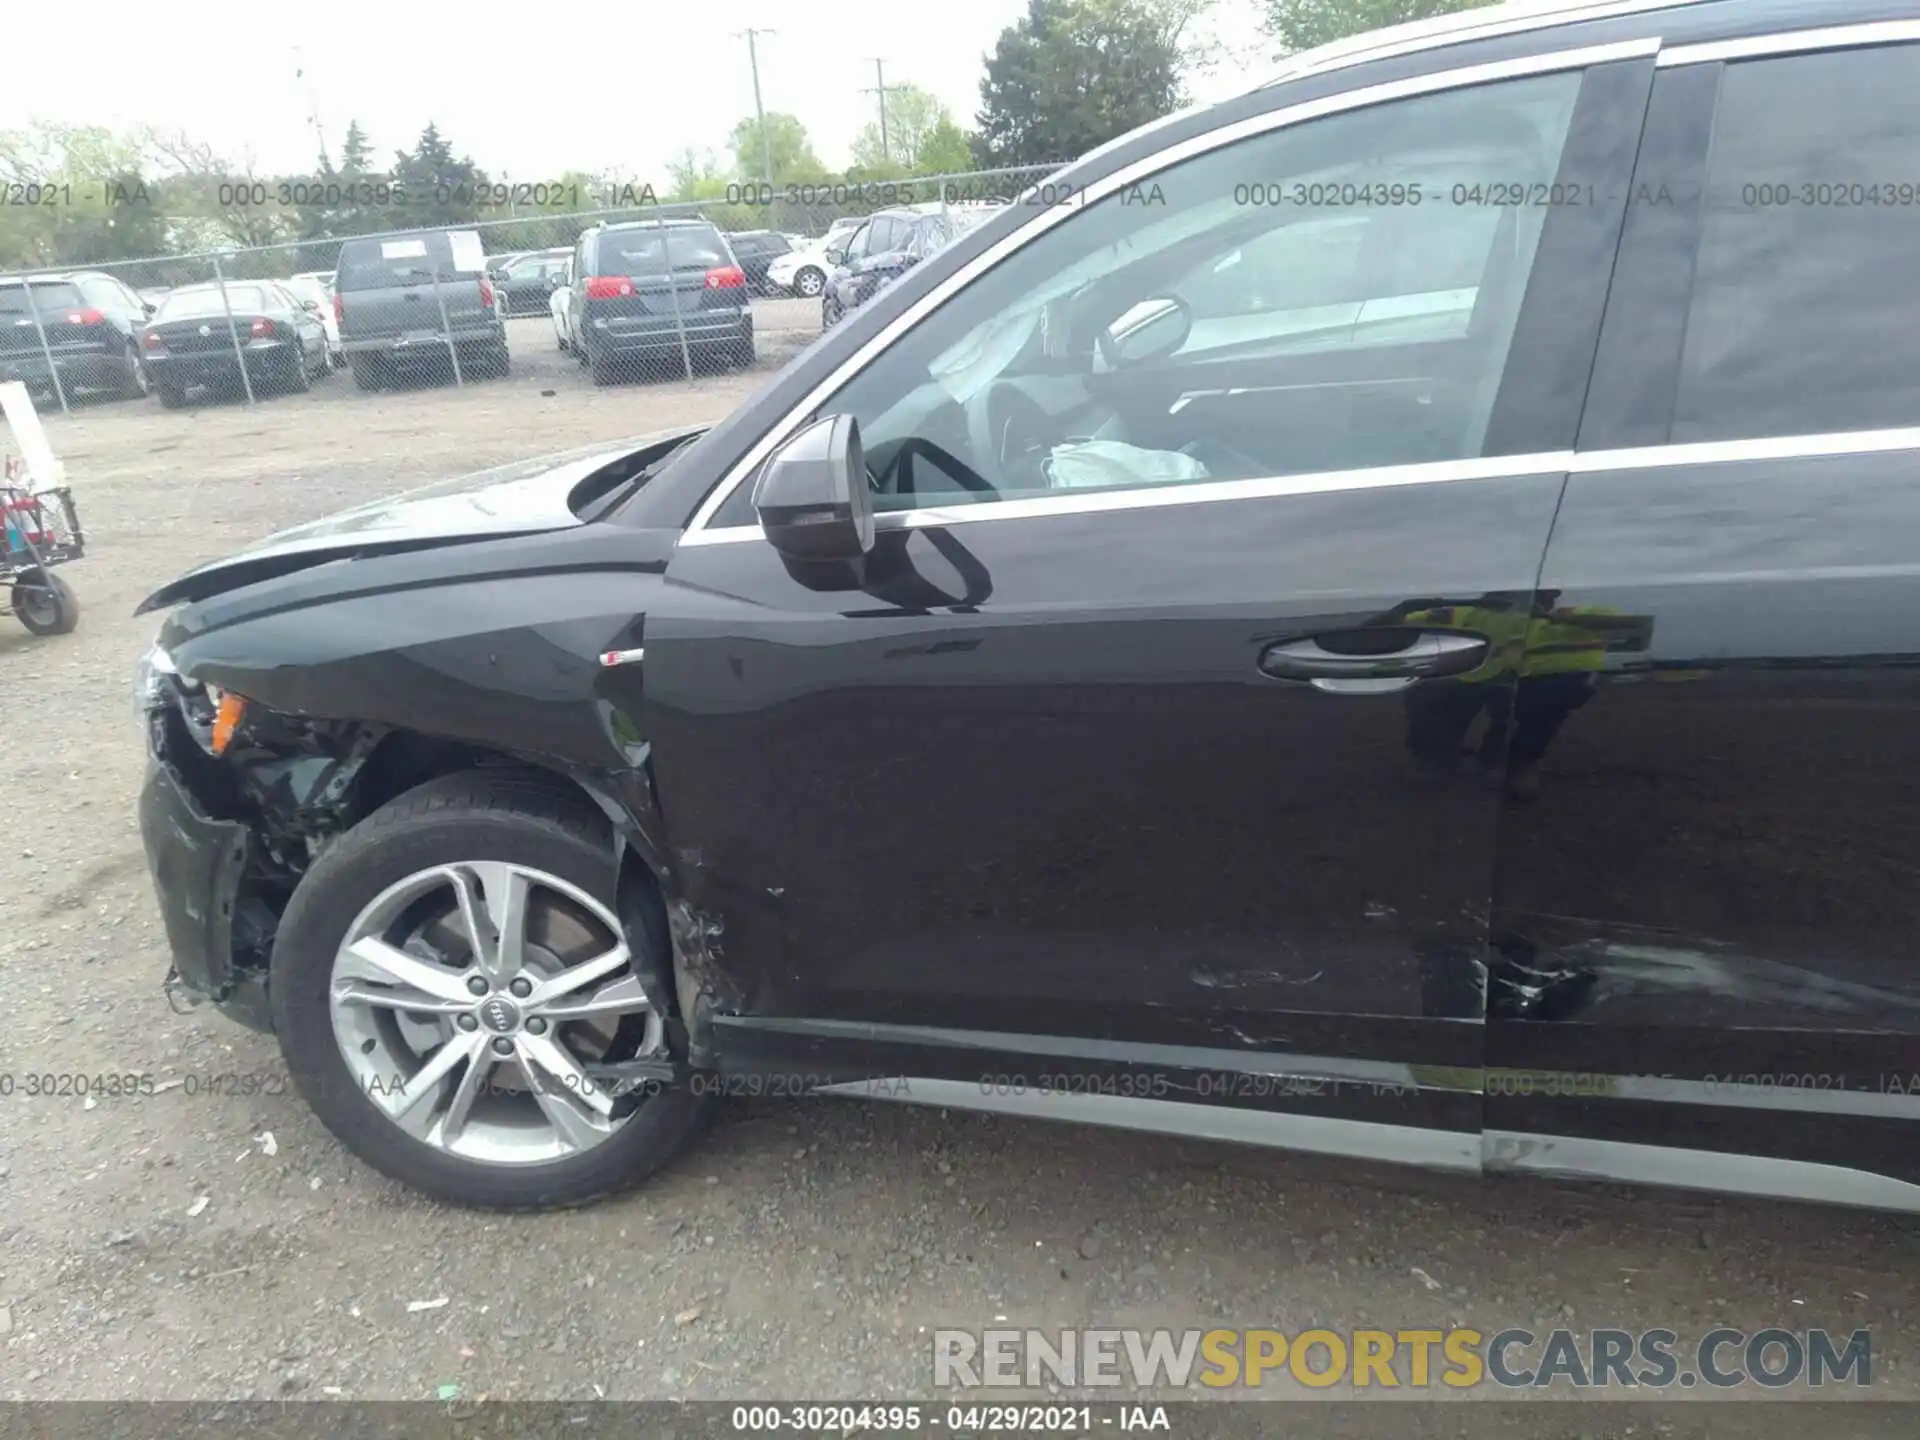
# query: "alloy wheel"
[810,283]
[473,1003]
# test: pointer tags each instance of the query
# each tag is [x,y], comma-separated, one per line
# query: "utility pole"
[879,88]
[313,105]
[759,114]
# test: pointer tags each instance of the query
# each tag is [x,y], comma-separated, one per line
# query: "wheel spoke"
[577,977]
[404,1108]
[565,1079]
[460,1106]
[496,917]
[576,1126]
[617,997]
[400,997]
[373,959]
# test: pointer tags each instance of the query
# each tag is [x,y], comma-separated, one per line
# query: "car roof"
[1484,22]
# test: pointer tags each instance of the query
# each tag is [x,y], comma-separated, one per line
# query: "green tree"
[912,117]
[787,146]
[1073,74]
[1303,24]
[97,199]
[946,150]
[440,185]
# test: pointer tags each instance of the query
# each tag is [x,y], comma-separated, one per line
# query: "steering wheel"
[1009,432]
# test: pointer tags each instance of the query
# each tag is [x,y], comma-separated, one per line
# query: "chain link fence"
[524,243]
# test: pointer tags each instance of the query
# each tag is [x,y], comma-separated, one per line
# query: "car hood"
[523,498]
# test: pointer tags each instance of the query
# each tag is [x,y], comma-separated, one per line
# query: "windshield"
[644,252]
[47,296]
[194,304]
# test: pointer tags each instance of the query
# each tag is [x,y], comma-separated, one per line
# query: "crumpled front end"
[231,814]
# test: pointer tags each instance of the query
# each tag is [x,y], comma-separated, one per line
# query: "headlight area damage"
[238,802]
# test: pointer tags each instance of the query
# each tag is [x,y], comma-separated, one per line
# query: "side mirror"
[151,308]
[814,499]
[1151,330]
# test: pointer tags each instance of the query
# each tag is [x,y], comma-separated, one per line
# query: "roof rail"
[1511,18]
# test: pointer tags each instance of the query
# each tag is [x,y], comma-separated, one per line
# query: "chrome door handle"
[1427,654]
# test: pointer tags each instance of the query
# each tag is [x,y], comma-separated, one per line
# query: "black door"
[1140,746]
[1707,899]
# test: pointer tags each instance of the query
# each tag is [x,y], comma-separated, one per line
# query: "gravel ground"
[211,1240]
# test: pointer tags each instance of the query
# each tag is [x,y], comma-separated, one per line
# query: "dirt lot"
[195,1244]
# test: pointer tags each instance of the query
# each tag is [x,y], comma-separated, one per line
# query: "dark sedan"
[198,336]
[756,250]
[525,284]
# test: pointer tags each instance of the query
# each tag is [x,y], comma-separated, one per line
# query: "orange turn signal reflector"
[226,718]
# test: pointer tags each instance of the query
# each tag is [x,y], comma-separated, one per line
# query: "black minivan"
[654,291]
[1379,618]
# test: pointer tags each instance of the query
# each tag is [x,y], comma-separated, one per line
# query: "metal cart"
[39,529]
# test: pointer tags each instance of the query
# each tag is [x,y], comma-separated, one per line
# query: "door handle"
[1426,655]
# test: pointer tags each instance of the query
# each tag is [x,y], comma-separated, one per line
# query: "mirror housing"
[813,497]
[1151,330]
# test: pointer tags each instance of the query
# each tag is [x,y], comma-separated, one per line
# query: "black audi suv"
[1413,660]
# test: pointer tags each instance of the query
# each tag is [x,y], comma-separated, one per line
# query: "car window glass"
[646,251]
[198,303]
[1802,320]
[1206,326]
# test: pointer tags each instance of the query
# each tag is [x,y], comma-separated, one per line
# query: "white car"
[557,304]
[317,287]
[804,271]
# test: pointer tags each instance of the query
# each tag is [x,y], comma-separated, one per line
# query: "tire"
[366,372]
[605,371]
[45,603]
[829,313]
[500,362]
[135,384]
[741,353]
[172,396]
[296,380]
[471,817]
[809,281]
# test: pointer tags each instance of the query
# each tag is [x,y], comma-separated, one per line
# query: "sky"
[527,92]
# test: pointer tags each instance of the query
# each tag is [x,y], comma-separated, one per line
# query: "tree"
[695,175]
[441,187]
[88,196]
[912,116]
[787,145]
[946,150]
[1073,74]
[1303,24]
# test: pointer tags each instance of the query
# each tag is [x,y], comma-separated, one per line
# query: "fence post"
[446,327]
[233,330]
[673,289]
[46,350]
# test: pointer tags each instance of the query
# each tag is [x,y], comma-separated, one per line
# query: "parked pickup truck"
[404,300]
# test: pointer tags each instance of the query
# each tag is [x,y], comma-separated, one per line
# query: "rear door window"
[1803,319]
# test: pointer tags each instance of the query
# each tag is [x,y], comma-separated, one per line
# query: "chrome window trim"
[1492,467]
[698,533]
[1459,28]
[1792,42]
